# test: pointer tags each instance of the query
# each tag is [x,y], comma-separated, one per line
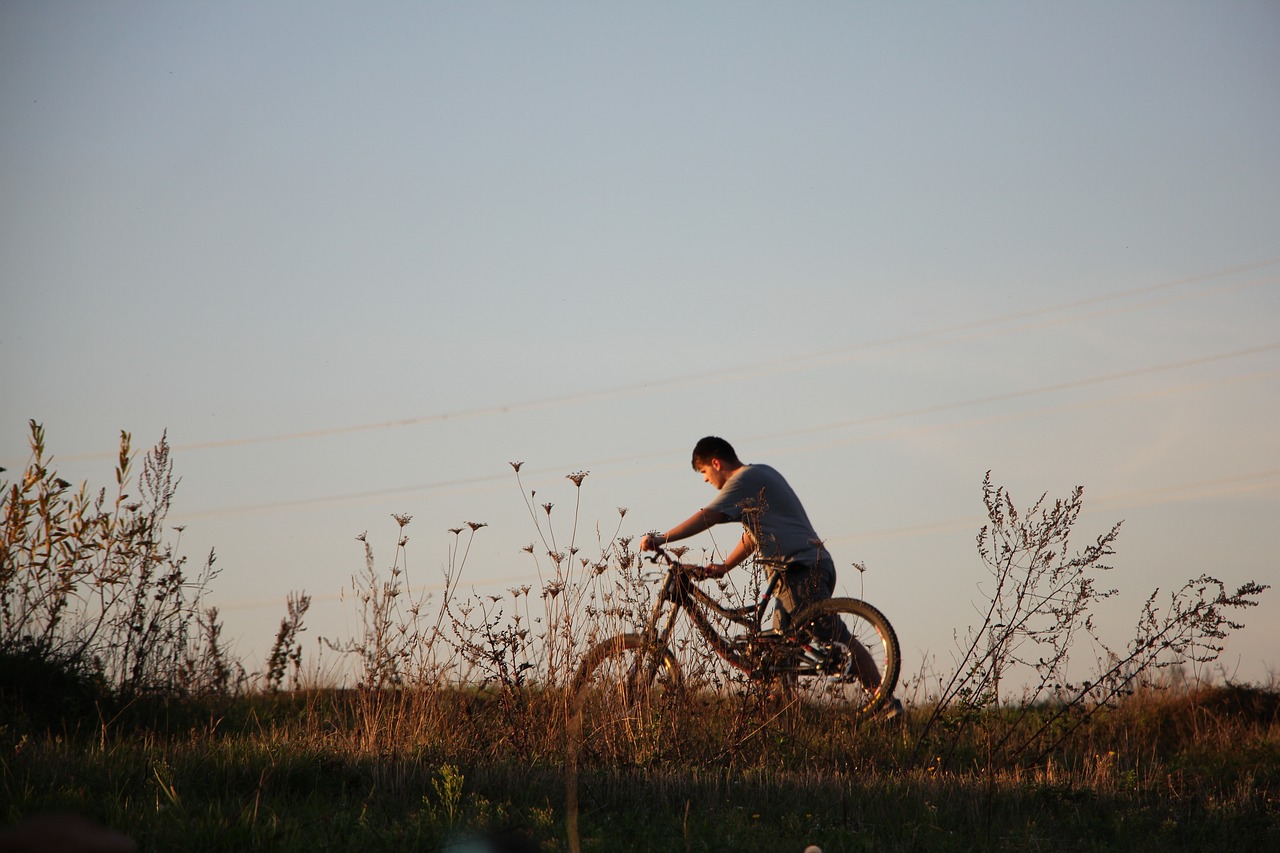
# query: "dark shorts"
[800,586]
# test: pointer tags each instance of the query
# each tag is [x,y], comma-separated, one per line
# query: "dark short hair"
[713,447]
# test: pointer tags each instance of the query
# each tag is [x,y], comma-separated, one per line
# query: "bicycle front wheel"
[850,658]
[620,694]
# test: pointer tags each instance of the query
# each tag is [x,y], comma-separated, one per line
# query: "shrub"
[1039,604]
[90,584]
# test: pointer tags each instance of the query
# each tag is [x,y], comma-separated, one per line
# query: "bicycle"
[839,653]
[823,657]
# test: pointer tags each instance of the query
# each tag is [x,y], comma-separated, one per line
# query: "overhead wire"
[1174,493]
[968,331]
[439,485]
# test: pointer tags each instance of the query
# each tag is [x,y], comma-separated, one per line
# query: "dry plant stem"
[1187,631]
[1039,605]
[1040,600]
[96,586]
[528,502]
[287,650]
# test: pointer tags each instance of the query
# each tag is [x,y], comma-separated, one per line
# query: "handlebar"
[661,555]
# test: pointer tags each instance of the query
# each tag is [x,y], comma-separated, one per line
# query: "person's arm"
[745,548]
[691,526]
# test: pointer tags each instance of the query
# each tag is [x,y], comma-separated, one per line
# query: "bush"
[90,586]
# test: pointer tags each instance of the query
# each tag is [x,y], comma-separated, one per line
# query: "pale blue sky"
[885,247]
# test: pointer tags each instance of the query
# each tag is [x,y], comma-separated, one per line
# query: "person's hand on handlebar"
[710,570]
[654,540]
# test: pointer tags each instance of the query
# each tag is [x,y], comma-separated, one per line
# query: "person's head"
[715,459]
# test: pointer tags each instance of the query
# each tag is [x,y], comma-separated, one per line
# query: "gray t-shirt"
[759,498]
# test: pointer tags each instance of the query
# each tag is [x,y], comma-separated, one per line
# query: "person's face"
[714,473]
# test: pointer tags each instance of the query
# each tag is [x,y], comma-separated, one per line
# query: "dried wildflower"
[516,465]
[404,541]
[553,589]
[557,557]
[679,551]
[455,530]
[363,537]
[547,507]
[861,567]
[476,525]
[622,512]
[577,477]
[528,549]
[401,520]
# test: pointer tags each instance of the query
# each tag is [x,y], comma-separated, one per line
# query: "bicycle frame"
[681,593]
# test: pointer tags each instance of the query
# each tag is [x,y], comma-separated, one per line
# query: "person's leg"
[801,587]
[798,588]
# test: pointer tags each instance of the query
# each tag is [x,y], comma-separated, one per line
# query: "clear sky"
[358,257]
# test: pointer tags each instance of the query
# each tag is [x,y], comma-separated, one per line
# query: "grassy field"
[1195,770]
[120,703]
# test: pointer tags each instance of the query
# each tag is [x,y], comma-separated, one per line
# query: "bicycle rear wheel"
[850,658]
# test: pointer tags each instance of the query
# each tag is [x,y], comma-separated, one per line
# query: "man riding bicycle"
[774,525]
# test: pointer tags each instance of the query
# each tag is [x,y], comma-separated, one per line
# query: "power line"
[784,364]
[1029,392]
[1177,493]
[854,422]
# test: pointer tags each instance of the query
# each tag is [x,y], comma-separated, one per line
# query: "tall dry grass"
[455,708]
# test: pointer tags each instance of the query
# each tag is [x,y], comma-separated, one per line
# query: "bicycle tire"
[619,695]
[831,675]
